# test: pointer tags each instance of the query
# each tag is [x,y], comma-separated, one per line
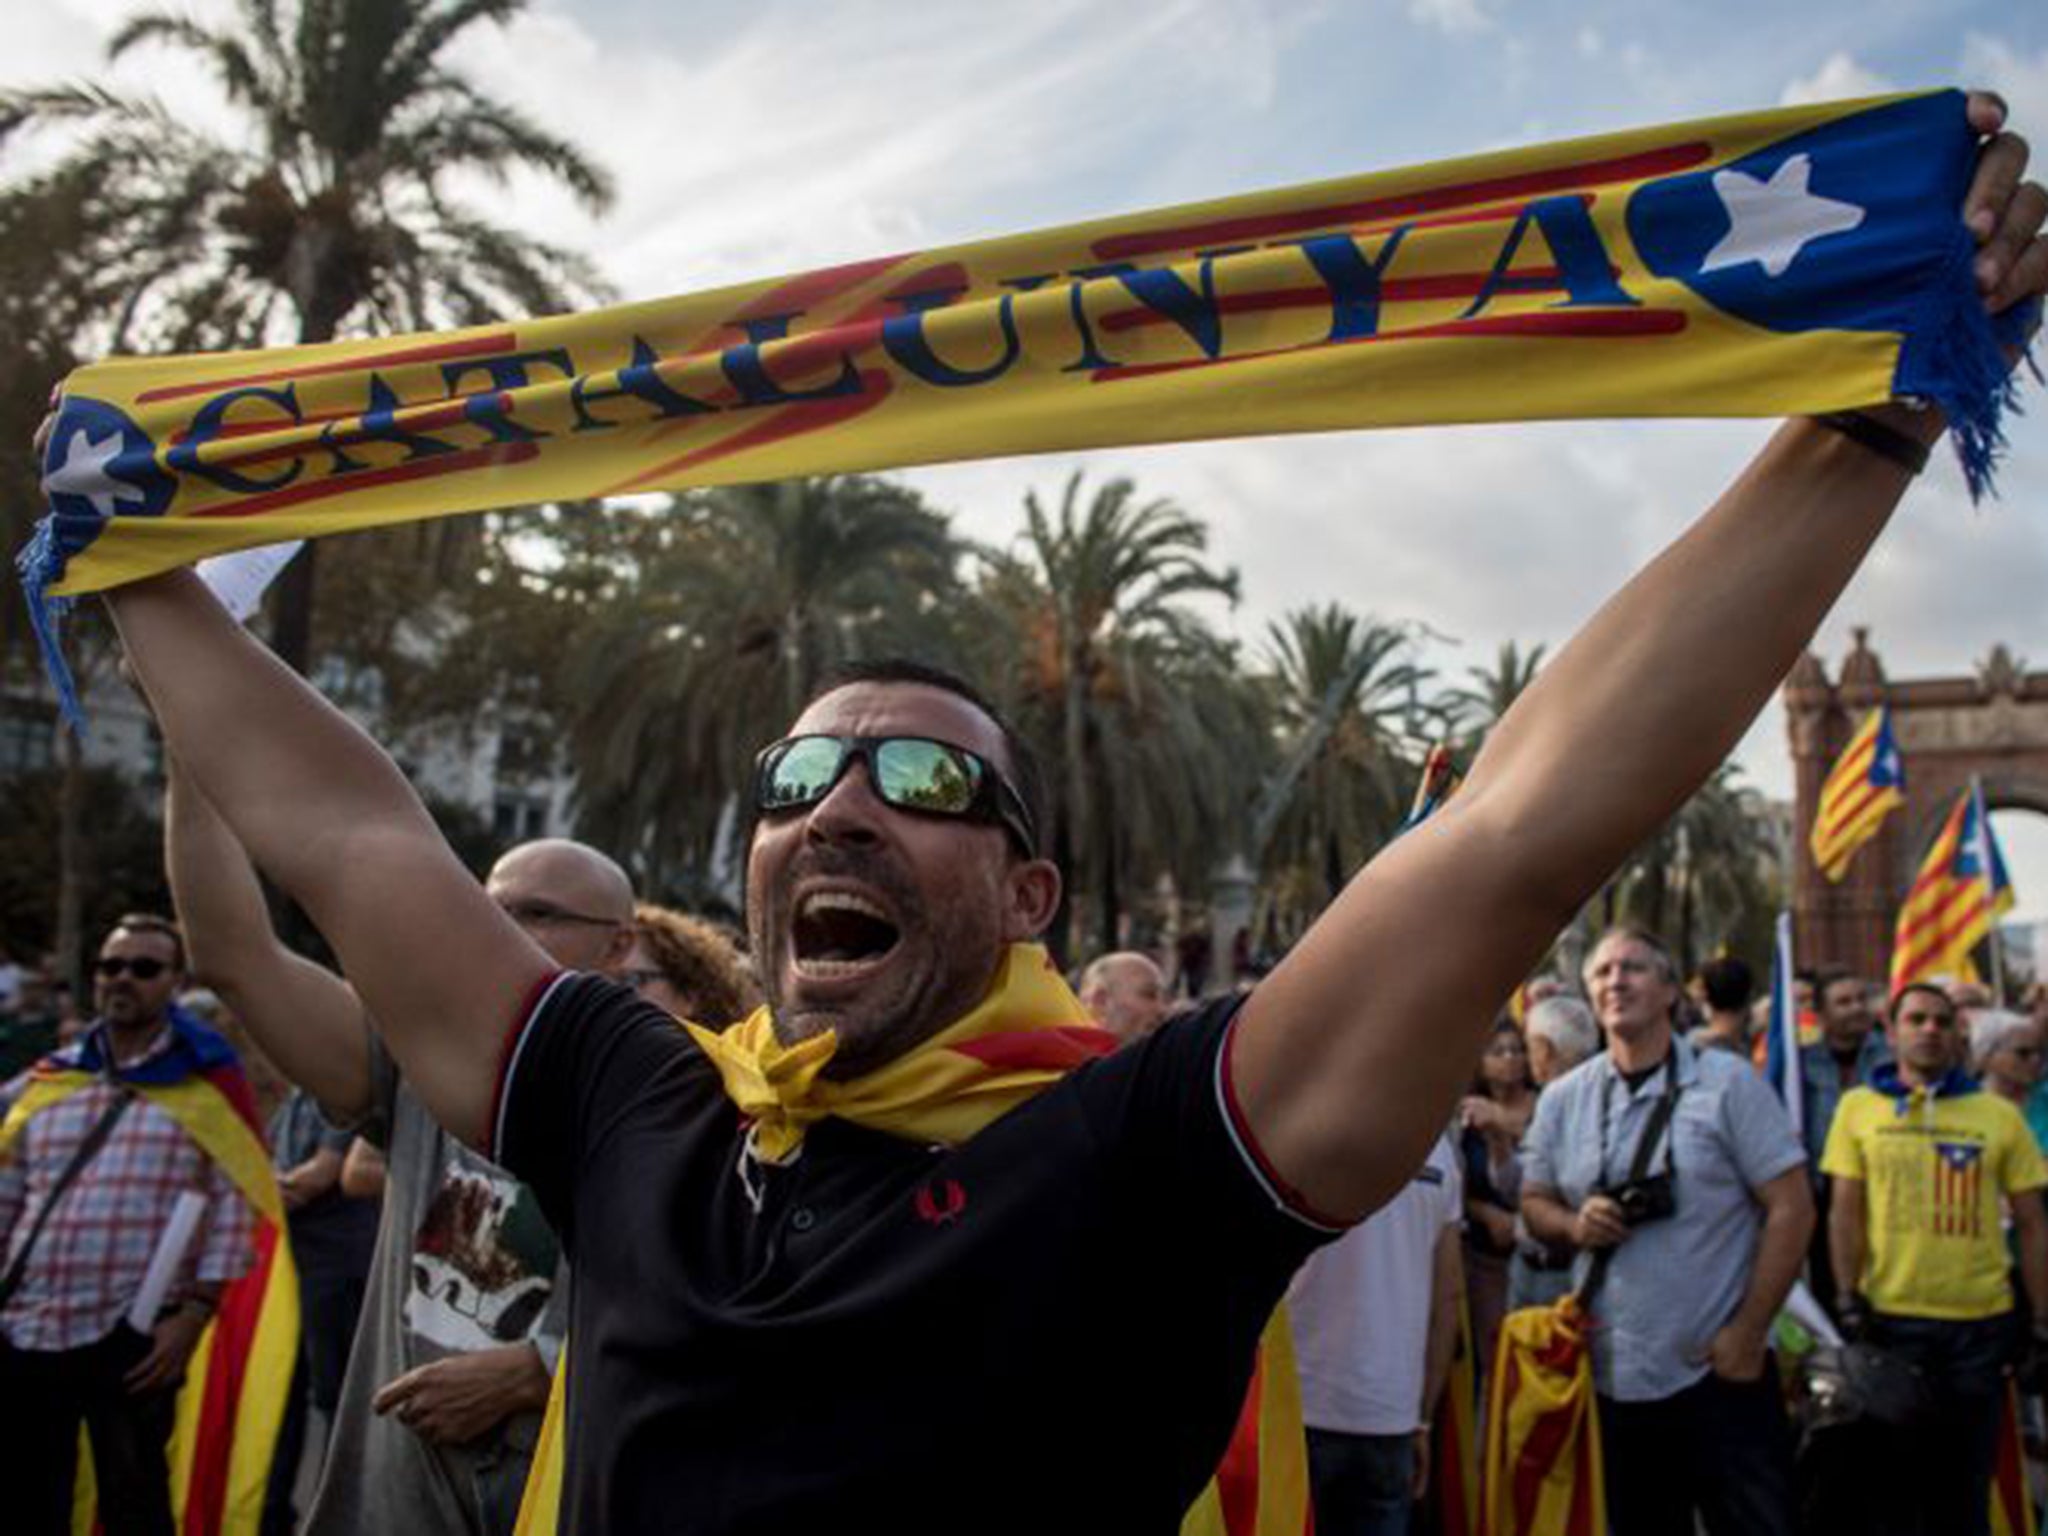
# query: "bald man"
[1126,993]
[463,1314]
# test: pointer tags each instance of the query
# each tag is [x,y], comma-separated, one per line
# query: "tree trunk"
[71,872]
[1111,903]
[1080,823]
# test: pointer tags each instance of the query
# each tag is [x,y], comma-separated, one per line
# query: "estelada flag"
[1542,1472]
[1799,260]
[1867,783]
[232,1403]
[1960,891]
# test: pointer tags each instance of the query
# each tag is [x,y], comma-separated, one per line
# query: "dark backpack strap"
[87,1150]
[1646,1148]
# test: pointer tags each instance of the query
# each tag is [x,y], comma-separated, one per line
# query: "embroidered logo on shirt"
[940,1202]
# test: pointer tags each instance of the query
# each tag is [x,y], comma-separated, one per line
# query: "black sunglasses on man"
[910,773]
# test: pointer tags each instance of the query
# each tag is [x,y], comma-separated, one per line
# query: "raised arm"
[328,816]
[1353,1051]
[307,1020]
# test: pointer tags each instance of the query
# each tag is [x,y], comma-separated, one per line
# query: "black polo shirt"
[1049,1328]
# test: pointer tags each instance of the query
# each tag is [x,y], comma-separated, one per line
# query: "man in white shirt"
[1375,1322]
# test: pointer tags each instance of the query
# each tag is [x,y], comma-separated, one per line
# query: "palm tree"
[706,633]
[1355,776]
[1123,685]
[334,213]
[1493,691]
[1704,873]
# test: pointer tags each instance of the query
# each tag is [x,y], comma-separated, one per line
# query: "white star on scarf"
[1770,222]
[84,473]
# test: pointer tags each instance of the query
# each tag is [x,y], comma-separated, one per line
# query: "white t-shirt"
[1360,1308]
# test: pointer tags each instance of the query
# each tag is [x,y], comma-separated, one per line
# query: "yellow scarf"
[1027,1034]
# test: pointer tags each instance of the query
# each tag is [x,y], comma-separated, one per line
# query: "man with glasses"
[86,1199]
[466,1300]
[1925,1166]
[842,1266]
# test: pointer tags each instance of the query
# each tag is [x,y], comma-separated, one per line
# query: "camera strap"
[1639,1165]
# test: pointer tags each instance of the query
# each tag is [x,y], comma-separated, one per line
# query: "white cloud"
[1590,42]
[1455,17]
[2020,79]
[1838,77]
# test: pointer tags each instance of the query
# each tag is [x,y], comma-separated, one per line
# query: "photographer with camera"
[1678,1177]
[1921,1160]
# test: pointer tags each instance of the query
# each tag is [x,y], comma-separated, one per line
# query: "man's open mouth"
[837,933]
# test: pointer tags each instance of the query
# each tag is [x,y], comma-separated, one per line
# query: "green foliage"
[1124,685]
[704,627]
[330,207]
[123,861]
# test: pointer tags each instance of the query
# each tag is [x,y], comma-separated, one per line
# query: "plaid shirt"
[89,1261]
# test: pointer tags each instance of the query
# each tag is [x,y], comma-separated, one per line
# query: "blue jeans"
[1361,1484]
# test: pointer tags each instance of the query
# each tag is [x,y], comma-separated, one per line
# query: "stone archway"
[1993,725]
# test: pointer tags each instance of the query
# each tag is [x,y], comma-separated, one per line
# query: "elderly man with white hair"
[1562,1033]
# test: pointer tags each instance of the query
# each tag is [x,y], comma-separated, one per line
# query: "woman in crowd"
[688,967]
[1494,1116]
[2005,1052]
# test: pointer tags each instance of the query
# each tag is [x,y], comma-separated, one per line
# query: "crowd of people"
[886,1251]
[1618,1143]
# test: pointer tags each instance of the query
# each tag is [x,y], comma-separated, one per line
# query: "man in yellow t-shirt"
[1921,1163]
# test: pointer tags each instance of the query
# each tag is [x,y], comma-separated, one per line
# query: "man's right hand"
[1598,1224]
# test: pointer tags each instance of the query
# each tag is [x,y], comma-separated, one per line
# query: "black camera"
[1650,1198]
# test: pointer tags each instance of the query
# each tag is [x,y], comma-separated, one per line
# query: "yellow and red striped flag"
[1543,1472]
[1961,890]
[1867,783]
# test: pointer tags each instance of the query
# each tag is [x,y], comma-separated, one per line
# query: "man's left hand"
[455,1400]
[172,1343]
[1738,1353]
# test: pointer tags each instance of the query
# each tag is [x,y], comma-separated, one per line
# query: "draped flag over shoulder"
[1867,783]
[1960,892]
[232,1403]
[1797,260]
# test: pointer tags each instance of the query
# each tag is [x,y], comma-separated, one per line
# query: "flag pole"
[1990,889]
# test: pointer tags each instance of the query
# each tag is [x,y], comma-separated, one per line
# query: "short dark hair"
[1728,982]
[151,922]
[1828,977]
[1025,775]
[1930,989]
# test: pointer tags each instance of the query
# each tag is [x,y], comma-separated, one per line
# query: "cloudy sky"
[757,138]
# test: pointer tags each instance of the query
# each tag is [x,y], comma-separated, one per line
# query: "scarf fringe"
[1957,356]
[41,566]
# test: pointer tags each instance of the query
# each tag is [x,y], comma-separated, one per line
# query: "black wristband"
[1909,453]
